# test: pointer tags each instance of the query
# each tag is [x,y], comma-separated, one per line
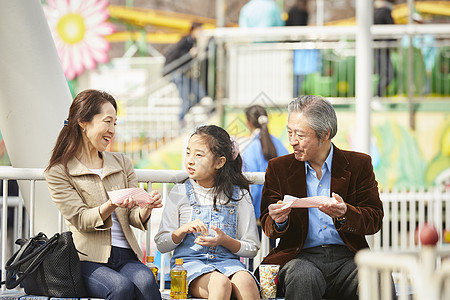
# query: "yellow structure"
[167,27]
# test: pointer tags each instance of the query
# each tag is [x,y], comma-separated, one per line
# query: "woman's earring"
[84,129]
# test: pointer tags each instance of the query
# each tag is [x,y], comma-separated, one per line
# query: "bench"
[20,295]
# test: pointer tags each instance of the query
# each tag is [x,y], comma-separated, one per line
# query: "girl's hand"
[196,226]
[212,241]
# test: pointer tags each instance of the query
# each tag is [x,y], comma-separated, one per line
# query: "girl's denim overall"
[199,260]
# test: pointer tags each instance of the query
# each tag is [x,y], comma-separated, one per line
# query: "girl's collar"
[194,183]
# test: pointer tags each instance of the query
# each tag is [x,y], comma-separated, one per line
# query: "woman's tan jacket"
[79,195]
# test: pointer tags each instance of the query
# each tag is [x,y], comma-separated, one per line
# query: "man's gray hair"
[320,113]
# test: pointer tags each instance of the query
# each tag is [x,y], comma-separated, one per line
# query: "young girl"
[209,220]
[262,147]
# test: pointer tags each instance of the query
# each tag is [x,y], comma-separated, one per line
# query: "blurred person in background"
[298,14]
[262,147]
[427,45]
[178,56]
[383,64]
[260,13]
[305,60]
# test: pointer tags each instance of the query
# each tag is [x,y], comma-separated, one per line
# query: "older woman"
[79,174]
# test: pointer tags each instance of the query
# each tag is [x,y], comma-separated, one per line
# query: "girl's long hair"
[257,116]
[219,143]
[85,106]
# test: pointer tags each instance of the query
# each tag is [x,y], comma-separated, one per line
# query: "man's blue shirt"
[321,228]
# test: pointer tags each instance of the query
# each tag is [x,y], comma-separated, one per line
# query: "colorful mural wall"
[402,158]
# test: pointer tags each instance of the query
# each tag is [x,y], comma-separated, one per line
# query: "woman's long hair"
[85,106]
[257,116]
[220,144]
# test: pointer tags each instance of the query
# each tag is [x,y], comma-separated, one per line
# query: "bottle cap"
[150,259]
[178,261]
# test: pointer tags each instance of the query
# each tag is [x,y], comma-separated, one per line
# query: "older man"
[317,245]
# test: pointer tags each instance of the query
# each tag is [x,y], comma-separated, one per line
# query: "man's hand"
[277,214]
[335,210]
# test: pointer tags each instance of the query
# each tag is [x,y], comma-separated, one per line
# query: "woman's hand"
[130,202]
[156,200]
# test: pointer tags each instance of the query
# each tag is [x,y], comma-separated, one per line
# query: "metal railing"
[146,178]
[422,275]
[286,62]
[404,211]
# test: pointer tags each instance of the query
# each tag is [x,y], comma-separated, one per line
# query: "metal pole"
[4,229]
[220,13]
[148,233]
[220,81]
[162,273]
[220,62]
[320,7]
[32,207]
[411,11]
[364,70]
[409,74]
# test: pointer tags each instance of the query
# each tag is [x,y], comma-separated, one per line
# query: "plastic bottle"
[150,264]
[178,278]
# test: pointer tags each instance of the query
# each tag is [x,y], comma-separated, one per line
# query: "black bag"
[46,267]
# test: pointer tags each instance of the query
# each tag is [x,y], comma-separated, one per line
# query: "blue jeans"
[122,277]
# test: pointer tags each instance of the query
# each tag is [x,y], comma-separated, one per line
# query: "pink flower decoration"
[78,28]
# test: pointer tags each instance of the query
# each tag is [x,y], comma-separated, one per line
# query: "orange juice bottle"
[152,266]
[178,278]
